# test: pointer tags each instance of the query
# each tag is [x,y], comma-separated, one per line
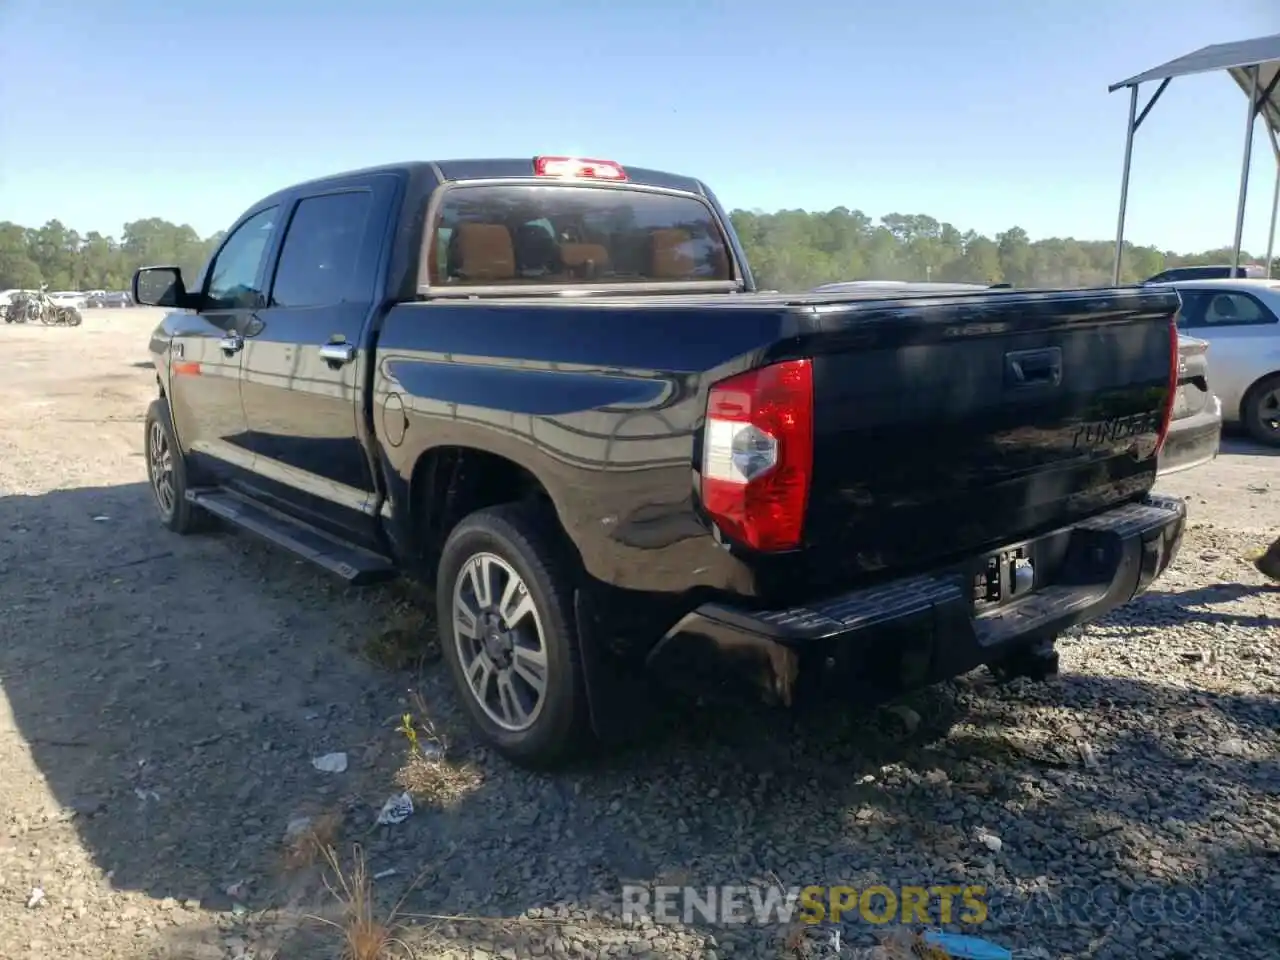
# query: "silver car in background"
[1240,320]
[1195,426]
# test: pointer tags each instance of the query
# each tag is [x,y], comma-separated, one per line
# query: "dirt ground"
[162,700]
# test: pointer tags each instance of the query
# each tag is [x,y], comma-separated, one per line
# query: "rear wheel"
[1261,410]
[505,608]
[167,474]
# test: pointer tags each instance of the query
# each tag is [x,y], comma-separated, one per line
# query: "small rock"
[1233,747]
[1087,756]
[331,763]
[910,719]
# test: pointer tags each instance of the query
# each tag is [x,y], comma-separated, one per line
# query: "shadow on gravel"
[173,692]
[1164,607]
[1237,443]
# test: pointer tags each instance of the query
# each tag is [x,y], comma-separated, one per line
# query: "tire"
[177,513]
[1261,406]
[495,542]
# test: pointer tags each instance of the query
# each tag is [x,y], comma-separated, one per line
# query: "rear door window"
[556,235]
[321,250]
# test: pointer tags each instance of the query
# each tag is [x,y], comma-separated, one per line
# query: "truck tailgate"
[949,425]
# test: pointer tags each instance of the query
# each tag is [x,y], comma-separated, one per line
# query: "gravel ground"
[163,700]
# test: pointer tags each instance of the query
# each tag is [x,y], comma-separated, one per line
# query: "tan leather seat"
[584,257]
[482,253]
[668,259]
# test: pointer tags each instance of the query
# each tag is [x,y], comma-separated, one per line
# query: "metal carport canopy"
[1255,66]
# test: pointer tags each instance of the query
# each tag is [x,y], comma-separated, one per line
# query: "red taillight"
[757,454]
[578,167]
[1166,416]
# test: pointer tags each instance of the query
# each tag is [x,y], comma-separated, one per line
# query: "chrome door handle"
[338,352]
[232,343]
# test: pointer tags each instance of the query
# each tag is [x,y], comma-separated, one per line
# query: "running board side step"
[353,564]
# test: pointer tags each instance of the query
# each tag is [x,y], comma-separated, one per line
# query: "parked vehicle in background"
[548,387]
[1240,319]
[1195,428]
[1246,271]
[67,298]
[95,299]
[118,299]
[40,307]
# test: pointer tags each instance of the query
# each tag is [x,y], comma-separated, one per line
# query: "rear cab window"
[523,237]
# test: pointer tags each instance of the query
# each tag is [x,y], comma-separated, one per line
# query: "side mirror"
[160,287]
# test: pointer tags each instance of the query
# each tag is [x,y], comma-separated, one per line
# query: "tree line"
[788,250]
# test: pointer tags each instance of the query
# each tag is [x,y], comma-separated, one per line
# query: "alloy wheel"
[160,460]
[500,643]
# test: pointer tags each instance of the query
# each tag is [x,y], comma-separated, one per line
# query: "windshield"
[487,235]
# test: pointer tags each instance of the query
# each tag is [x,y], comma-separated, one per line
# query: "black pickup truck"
[550,388]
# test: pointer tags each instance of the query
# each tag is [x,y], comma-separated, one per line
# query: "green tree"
[788,250]
[17,268]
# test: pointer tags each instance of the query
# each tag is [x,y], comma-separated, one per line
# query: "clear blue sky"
[985,113]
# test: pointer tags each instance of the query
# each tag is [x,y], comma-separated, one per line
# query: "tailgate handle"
[1033,368]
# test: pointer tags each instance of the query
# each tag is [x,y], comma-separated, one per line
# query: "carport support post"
[1275,202]
[1244,168]
[1124,178]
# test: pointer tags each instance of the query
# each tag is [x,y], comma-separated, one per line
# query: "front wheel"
[505,609]
[167,473]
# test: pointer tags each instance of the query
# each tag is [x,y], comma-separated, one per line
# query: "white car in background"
[69,298]
[1240,319]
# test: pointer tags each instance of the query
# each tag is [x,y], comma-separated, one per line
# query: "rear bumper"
[924,629]
[1193,441]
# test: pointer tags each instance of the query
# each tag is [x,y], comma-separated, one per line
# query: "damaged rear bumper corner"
[923,629]
[1193,441]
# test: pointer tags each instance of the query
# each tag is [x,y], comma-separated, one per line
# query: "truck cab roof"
[447,171]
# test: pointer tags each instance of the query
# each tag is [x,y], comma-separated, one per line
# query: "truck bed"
[943,424]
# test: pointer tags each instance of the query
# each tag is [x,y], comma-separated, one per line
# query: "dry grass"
[795,943]
[898,944]
[428,773]
[365,935]
[407,637]
[303,849]
[903,944]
